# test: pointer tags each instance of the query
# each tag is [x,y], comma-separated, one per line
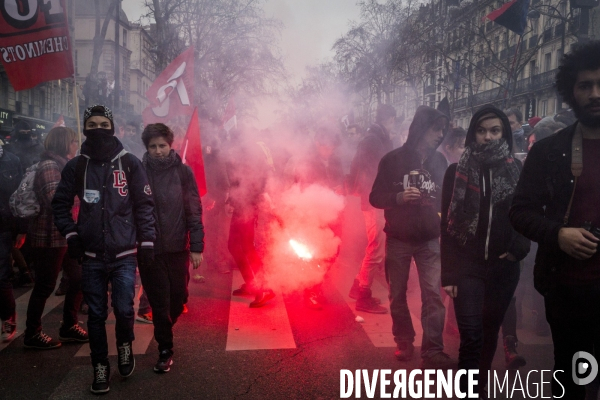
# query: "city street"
[225,350]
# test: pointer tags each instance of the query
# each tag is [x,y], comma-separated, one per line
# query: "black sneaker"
[262,298]
[404,351]
[74,334]
[370,305]
[40,341]
[101,378]
[9,328]
[126,359]
[243,290]
[165,360]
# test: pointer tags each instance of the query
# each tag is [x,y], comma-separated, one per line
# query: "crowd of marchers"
[481,213]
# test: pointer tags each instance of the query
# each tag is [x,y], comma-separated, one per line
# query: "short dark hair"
[135,125]
[454,136]
[384,112]
[584,57]
[516,112]
[152,131]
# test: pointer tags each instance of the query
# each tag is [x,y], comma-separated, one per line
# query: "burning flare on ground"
[301,250]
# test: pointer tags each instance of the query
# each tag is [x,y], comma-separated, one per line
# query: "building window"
[532,68]
[124,38]
[544,108]
[548,62]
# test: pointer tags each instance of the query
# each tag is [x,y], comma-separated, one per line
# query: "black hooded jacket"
[177,209]
[467,260]
[27,149]
[116,213]
[409,222]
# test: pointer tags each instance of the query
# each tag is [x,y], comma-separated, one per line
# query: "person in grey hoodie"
[408,188]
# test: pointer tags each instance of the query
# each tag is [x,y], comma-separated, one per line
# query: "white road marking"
[262,328]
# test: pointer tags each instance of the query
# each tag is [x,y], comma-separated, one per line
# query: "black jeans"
[574,317]
[7,299]
[47,264]
[480,305]
[165,282]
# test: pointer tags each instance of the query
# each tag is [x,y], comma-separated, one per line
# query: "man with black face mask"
[115,223]
[23,145]
[556,204]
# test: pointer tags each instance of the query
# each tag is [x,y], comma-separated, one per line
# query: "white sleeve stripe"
[70,234]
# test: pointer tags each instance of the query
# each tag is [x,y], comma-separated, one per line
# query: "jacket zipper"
[489,228]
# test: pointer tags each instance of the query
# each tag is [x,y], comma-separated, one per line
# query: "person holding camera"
[407,189]
[480,250]
[556,205]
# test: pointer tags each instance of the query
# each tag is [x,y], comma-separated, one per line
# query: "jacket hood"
[487,109]
[424,119]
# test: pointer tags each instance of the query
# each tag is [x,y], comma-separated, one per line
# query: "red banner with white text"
[172,93]
[34,41]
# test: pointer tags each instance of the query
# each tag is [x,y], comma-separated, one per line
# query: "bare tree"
[235,47]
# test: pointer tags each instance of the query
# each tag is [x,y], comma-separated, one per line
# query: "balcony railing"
[541,81]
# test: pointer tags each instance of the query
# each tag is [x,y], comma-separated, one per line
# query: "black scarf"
[159,163]
[99,144]
[463,213]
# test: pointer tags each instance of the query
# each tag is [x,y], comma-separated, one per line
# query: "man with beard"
[408,189]
[556,204]
[115,223]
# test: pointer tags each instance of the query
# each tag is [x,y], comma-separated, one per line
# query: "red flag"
[60,122]
[192,153]
[172,93]
[229,117]
[34,42]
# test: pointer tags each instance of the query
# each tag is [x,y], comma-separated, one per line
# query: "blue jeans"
[480,305]
[7,299]
[398,256]
[94,283]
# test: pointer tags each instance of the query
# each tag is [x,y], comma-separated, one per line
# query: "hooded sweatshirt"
[470,259]
[419,221]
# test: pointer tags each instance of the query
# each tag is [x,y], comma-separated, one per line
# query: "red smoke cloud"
[304,215]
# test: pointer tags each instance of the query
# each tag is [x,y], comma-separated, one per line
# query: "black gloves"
[145,255]
[75,248]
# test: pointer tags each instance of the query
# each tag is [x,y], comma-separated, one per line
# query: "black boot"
[512,358]
[367,303]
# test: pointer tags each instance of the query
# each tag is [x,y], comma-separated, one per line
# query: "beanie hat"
[101,111]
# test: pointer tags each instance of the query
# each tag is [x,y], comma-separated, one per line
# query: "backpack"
[23,202]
